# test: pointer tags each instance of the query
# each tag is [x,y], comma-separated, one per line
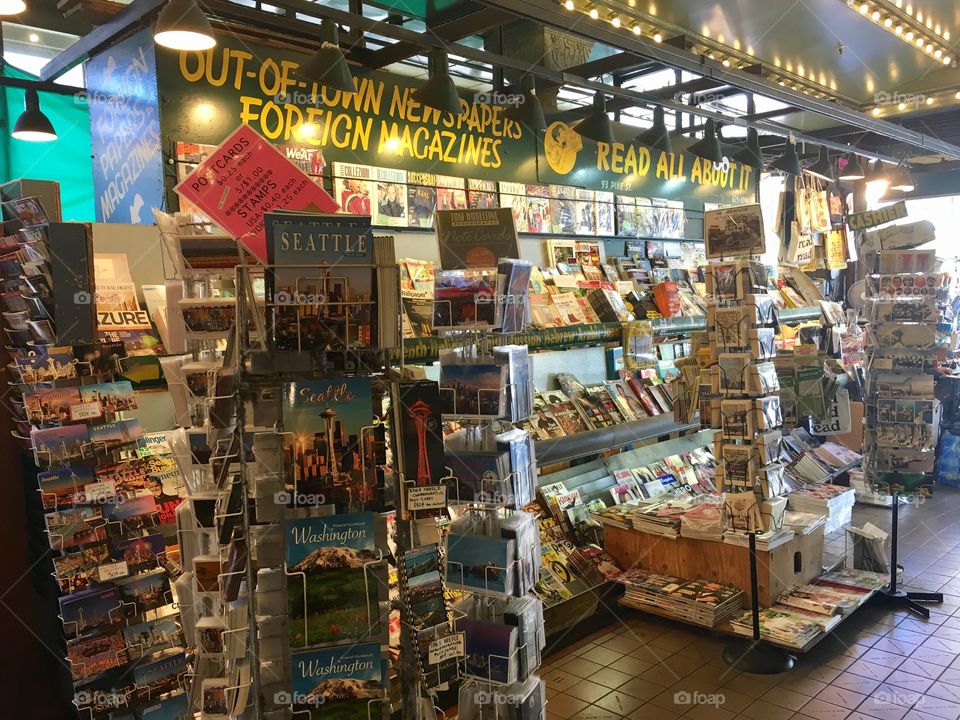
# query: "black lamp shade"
[853,170]
[439,92]
[657,136]
[596,125]
[33,125]
[822,169]
[528,111]
[750,154]
[902,180]
[788,162]
[182,25]
[327,66]
[708,147]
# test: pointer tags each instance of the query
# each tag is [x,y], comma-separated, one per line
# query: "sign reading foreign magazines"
[872,218]
[244,178]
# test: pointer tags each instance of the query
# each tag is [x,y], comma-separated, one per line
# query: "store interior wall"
[65,160]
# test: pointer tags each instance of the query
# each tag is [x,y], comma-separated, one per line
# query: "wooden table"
[796,562]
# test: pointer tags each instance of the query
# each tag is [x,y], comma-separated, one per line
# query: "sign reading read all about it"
[244,178]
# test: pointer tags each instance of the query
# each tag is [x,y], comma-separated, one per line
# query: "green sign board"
[206,95]
[629,168]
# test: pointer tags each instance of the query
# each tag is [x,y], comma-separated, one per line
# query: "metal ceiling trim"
[546,12]
[555,76]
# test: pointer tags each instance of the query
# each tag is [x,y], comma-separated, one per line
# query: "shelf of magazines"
[428,349]
[570,447]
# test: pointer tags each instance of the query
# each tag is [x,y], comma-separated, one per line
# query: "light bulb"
[887,22]
[615,21]
[909,35]
[864,9]
[876,15]
[568,4]
[929,101]
[902,106]
[899,30]
[657,37]
[876,111]
[594,13]
[637,30]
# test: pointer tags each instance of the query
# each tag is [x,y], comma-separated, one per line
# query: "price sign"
[446,648]
[431,497]
[244,178]
[85,411]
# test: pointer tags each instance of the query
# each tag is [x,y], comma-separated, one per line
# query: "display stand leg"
[753,655]
[890,595]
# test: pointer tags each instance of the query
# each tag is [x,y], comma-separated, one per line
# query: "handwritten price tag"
[432,497]
[446,648]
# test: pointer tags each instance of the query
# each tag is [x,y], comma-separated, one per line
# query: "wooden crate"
[793,563]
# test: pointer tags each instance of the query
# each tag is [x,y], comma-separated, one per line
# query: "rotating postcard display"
[743,401]
[904,294]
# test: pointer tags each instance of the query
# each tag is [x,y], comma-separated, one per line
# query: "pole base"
[754,656]
[908,600]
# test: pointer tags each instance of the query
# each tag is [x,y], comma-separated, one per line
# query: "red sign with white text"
[244,178]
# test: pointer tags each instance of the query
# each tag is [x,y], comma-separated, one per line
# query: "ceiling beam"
[607,65]
[472,23]
[545,12]
[101,37]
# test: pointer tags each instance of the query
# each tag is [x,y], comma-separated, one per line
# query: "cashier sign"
[244,178]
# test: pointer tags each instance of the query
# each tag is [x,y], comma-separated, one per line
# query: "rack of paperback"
[742,401]
[309,393]
[105,487]
[904,292]
[492,546]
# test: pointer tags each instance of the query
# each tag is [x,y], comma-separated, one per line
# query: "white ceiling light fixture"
[12,7]
[901,22]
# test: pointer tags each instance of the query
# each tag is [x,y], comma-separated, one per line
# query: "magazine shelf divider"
[424,350]
[589,442]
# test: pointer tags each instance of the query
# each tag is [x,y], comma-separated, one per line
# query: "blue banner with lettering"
[125,131]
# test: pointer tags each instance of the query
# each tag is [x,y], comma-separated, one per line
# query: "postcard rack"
[902,416]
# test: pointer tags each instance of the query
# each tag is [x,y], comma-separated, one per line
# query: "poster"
[244,178]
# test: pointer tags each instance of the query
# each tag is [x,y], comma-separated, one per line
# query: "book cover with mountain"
[327,452]
[321,283]
[338,683]
[336,598]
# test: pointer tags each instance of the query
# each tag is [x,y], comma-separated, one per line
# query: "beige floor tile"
[601,655]
[559,679]
[608,677]
[641,689]
[786,698]
[709,712]
[651,712]
[632,665]
[843,697]
[855,683]
[824,711]
[564,706]
[588,691]
[766,710]
[747,685]
[581,667]
[619,703]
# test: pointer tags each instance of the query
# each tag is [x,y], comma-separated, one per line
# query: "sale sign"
[244,178]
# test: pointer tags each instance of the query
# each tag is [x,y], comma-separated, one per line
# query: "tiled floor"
[879,664]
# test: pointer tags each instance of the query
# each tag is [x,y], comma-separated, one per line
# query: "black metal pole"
[894,521]
[754,587]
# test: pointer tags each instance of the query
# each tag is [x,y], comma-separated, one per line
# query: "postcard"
[141,553]
[481,562]
[152,636]
[339,682]
[90,611]
[93,654]
[474,389]
[69,527]
[145,592]
[337,598]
